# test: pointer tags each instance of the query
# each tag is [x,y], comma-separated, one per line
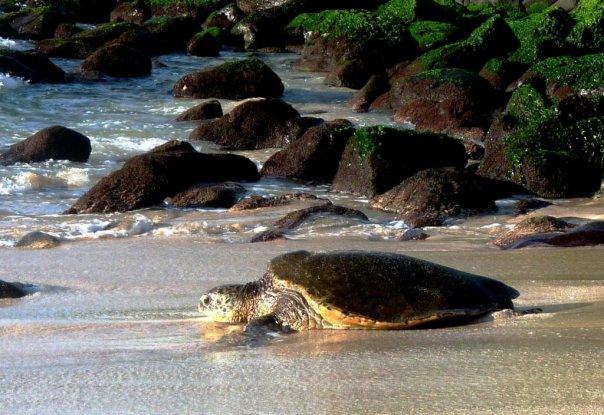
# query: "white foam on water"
[10,82]
[26,181]
[74,176]
[17,44]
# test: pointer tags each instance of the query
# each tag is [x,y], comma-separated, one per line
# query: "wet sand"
[114,330]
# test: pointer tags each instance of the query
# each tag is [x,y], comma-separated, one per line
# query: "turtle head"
[225,304]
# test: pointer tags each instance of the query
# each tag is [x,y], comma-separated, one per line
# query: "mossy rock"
[197,9]
[103,33]
[491,39]
[65,48]
[564,75]
[501,72]
[541,35]
[588,33]
[378,158]
[503,9]
[430,34]
[205,43]
[407,11]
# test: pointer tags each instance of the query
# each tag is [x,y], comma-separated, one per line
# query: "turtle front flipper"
[267,324]
[289,312]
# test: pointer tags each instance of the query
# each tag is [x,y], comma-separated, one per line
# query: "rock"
[259,202]
[119,61]
[56,142]
[491,39]
[208,196]
[37,22]
[268,235]
[232,80]
[553,151]
[30,66]
[431,196]
[315,156]
[260,30]
[204,44]
[537,225]
[65,48]
[11,290]
[66,30]
[195,10]
[135,12]
[205,111]
[172,33]
[454,101]
[224,18]
[527,205]
[86,11]
[38,240]
[103,33]
[378,158]
[139,39]
[375,86]
[149,178]
[585,235]
[294,219]
[255,124]
[413,235]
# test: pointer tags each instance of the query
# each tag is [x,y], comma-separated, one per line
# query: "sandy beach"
[114,329]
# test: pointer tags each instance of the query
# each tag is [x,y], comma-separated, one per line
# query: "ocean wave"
[25,181]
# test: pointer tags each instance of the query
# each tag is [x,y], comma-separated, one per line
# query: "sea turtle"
[356,290]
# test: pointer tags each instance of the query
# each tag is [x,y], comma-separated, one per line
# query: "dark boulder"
[232,80]
[87,11]
[37,22]
[255,124]
[413,235]
[260,30]
[537,225]
[205,111]
[31,66]
[56,142]
[204,43]
[431,196]
[38,240]
[66,30]
[296,218]
[260,202]
[149,178]
[135,12]
[378,158]
[454,101]
[119,61]
[11,290]
[172,33]
[208,196]
[315,156]
[224,18]
[376,85]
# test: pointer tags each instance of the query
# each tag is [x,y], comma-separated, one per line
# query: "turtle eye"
[206,300]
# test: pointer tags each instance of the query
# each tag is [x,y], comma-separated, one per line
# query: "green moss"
[336,23]
[367,139]
[588,32]
[104,32]
[580,72]
[213,31]
[537,30]
[538,6]
[492,38]
[528,105]
[429,34]
[250,64]
[502,9]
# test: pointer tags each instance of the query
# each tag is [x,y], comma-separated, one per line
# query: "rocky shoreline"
[504,99]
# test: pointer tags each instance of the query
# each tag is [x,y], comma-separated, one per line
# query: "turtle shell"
[385,290]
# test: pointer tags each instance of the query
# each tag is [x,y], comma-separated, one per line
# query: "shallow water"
[126,338]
